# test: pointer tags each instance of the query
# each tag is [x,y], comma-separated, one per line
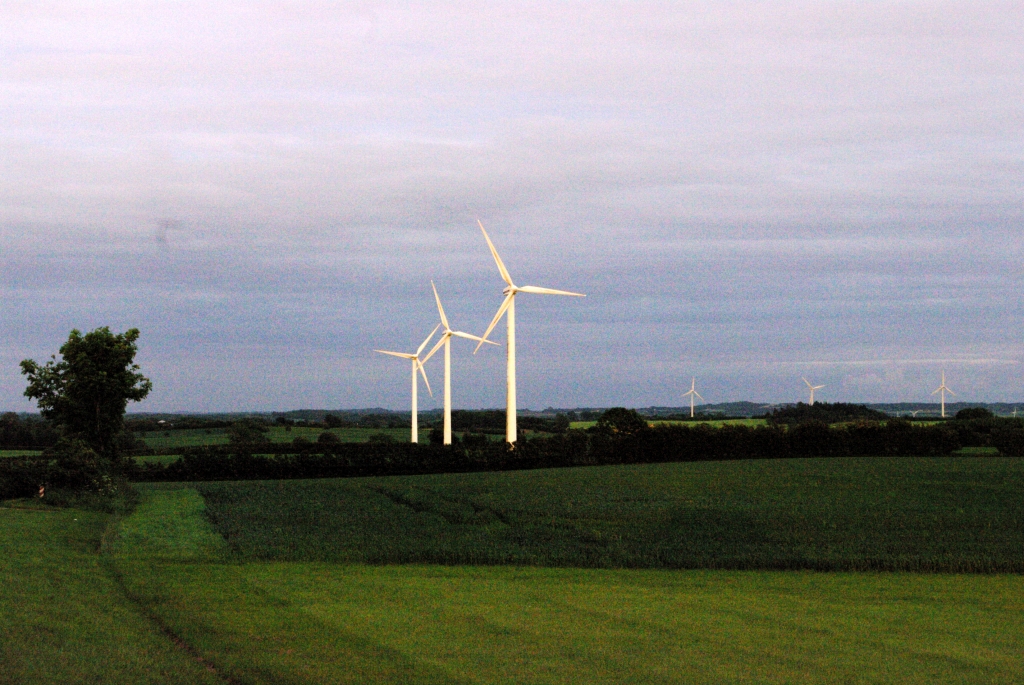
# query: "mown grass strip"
[63,618]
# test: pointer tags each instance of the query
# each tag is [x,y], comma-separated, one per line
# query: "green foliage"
[87,391]
[974,413]
[327,438]
[17,432]
[824,412]
[621,421]
[436,436]
[942,514]
[247,432]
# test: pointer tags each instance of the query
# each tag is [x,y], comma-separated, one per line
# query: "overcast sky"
[747,193]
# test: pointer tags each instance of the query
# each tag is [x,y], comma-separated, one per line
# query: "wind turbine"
[416,364]
[943,390]
[509,305]
[445,340]
[813,388]
[693,392]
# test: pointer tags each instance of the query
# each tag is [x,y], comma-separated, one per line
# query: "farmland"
[292,622]
[920,514]
[601,574]
[196,437]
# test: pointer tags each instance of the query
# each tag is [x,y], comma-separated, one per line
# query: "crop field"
[292,622]
[951,514]
[530,577]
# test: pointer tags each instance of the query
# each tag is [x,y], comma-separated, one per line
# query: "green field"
[914,514]
[291,622]
[580,425]
[64,618]
[196,437]
[268,582]
[19,453]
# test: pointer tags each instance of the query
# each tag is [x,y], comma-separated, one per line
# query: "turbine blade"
[950,391]
[423,372]
[467,336]
[494,322]
[424,343]
[805,381]
[547,291]
[818,387]
[403,355]
[440,309]
[936,391]
[698,395]
[497,260]
[444,336]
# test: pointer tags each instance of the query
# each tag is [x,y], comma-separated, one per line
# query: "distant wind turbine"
[508,306]
[416,364]
[693,393]
[942,389]
[813,388]
[445,340]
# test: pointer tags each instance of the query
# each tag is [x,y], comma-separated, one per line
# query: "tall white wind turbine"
[508,306]
[416,364]
[445,340]
[943,390]
[693,392]
[813,388]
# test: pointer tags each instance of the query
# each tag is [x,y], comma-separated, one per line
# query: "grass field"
[64,618]
[716,423]
[99,598]
[219,436]
[19,453]
[295,622]
[948,514]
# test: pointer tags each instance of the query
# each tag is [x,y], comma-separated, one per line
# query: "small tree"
[87,391]
[621,421]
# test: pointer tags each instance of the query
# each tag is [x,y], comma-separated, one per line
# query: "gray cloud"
[266,188]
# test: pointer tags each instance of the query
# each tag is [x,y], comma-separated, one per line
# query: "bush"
[973,413]
[621,421]
[327,438]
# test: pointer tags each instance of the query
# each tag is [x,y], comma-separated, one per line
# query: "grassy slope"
[274,622]
[64,619]
[949,514]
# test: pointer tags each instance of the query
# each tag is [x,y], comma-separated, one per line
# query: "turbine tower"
[509,305]
[813,388]
[416,364]
[445,340]
[693,393]
[942,389]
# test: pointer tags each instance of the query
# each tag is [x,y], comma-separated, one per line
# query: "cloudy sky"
[747,192]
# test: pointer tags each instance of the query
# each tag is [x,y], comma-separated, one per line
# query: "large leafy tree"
[87,391]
